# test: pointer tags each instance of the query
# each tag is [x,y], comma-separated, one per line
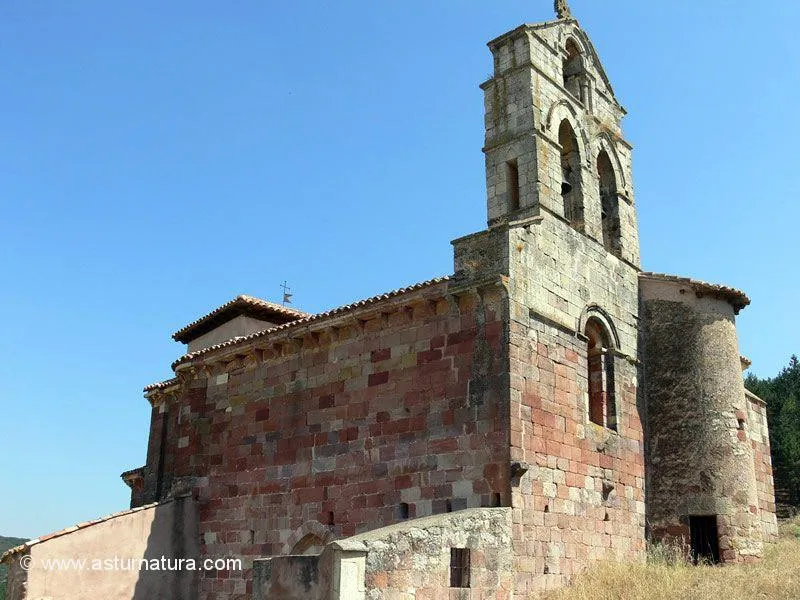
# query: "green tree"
[782,395]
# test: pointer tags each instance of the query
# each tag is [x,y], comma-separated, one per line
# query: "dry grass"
[777,577]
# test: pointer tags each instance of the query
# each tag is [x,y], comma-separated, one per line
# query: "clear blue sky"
[159,158]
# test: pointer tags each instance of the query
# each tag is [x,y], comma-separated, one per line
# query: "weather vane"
[287,295]
[562,9]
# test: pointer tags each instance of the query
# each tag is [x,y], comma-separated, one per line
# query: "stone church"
[489,434]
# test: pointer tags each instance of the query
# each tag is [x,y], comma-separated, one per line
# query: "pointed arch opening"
[310,545]
[600,373]
[571,188]
[609,199]
[574,71]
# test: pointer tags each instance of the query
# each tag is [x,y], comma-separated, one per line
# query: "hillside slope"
[5,544]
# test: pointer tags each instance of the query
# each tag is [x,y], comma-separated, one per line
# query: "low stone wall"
[336,574]
[120,557]
[289,577]
[388,562]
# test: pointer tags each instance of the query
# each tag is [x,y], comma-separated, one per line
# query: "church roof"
[241,305]
[307,319]
[737,298]
[161,385]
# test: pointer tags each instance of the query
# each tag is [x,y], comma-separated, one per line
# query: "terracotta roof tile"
[161,385]
[737,298]
[249,305]
[313,318]
[138,472]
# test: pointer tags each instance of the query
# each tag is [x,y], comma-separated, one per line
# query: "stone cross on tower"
[562,9]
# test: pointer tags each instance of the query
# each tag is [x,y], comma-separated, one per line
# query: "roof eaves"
[242,302]
[737,298]
[312,318]
[161,385]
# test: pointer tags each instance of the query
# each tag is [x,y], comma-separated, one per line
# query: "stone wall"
[238,326]
[758,432]
[565,277]
[416,556]
[292,578]
[157,478]
[103,559]
[700,458]
[406,560]
[390,411]
[582,497]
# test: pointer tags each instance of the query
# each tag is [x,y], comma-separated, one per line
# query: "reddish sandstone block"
[378,378]
[381,355]
[437,342]
[443,446]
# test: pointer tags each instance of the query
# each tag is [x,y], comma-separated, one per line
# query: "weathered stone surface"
[400,403]
[406,560]
[705,439]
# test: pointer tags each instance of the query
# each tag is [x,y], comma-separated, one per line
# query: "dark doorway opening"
[705,539]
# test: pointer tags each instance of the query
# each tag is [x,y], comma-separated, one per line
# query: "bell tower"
[554,145]
[562,245]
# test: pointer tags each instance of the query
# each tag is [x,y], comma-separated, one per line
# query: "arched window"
[610,204]
[571,191]
[574,71]
[600,368]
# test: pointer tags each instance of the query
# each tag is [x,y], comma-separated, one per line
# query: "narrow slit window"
[403,510]
[574,71]
[162,454]
[512,184]
[571,191]
[609,200]
[459,567]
